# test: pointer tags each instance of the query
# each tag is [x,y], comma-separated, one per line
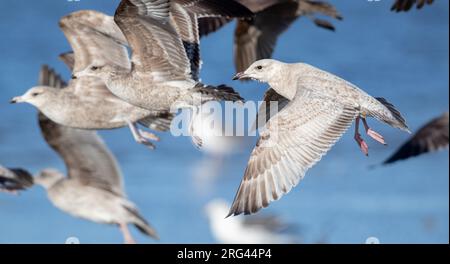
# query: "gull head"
[262,70]
[48,177]
[98,70]
[37,96]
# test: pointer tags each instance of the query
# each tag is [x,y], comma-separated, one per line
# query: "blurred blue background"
[403,57]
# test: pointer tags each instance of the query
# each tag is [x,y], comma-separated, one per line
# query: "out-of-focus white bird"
[246,229]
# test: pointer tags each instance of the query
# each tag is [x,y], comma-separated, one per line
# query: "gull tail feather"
[219,93]
[140,223]
[389,114]
[23,181]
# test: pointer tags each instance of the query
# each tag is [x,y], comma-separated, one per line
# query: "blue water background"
[403,57]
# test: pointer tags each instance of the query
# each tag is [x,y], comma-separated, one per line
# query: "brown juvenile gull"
[433,136]
[86,103]
[405,5]
[322,107]
[160,76]
[93,189]
[14,180]
[255,39]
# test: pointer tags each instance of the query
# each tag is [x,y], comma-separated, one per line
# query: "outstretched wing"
[156,46]
[255,39]
[294,140]
[94,37]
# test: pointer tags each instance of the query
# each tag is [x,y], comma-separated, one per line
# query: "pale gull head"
[37,96]
[48,177]
[262,70]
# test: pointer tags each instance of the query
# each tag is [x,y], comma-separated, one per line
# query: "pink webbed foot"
[362,144]
[376,136]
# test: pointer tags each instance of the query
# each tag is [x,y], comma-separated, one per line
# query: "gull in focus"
[321,108]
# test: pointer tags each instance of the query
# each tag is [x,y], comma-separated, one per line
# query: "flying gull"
[405,5]
[322,107]
[433,136]
[14,180]
[257,229]
[255,38]
[93,189]
[160,77]
[86,103]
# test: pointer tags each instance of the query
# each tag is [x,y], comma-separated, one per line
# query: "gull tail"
[387,113]
[220,93]
[140,223]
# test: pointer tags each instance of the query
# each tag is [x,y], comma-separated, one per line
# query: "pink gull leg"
[372,133]
[361,143]
[126,234]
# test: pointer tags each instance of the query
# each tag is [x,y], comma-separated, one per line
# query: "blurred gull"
[86,103]
[248,229]
[322,107]
[94,187]
[433,136]
[405,5]
[209,134]
[255,38]
[160,78]
[14,180]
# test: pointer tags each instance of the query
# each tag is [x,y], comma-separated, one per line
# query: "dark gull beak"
[239,76]
[15,100]
[74,77]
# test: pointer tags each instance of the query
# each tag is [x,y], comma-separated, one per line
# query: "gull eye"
[94,68]
[259,67]
[35,94]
